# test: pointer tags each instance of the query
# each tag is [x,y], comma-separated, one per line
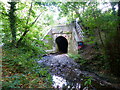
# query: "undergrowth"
[21,70]
[77,58]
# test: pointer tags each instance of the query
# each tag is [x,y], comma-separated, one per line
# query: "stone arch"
[62,44]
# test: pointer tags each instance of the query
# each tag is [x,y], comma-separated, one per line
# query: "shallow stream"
[67,75]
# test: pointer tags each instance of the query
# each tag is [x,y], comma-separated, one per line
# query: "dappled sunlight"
[60,45]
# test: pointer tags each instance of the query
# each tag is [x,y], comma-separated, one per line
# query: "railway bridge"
[65,38]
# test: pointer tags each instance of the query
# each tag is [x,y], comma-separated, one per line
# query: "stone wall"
[67,31]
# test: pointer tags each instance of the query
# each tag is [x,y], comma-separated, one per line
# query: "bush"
[20,69]
[77,58]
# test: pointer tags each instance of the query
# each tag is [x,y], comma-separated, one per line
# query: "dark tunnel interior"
[62,44]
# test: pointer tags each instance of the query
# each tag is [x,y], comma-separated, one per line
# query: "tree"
[27,26]
[21,61]
[113,48]
[12,19]
[103,28]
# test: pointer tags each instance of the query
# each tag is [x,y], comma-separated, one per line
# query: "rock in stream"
[67,72]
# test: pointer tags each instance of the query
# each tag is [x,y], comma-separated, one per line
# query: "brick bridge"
[72,33]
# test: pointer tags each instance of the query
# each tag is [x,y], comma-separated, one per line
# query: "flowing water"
[67,75]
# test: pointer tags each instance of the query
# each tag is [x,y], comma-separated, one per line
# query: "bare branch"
[36,19]
[4,14]
[26,29]
[29,13]
[21,38]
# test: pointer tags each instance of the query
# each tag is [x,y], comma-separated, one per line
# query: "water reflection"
[60,82]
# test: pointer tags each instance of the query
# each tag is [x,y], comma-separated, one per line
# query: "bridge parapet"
[72,32]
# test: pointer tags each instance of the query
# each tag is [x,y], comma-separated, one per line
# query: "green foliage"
[21,70]
[74,56]
[20,66]
[77,58]
[100,26]
[112,52]
[82,61]
[88,81]
[23,22]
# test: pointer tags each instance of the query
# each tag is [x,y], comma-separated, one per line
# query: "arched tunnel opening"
[62,44]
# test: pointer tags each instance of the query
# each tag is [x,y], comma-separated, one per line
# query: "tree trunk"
[100,37]
[119,16]
[21,38]
[113,7]
[12,20]
[113,48]
[26,29]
